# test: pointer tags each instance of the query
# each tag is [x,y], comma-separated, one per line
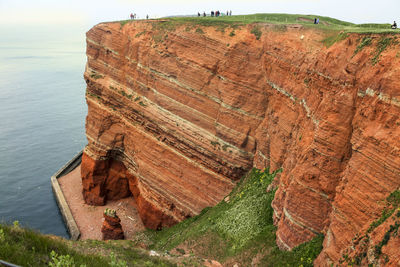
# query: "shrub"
[116,263]
[61,260]
[392,203]
[199,30]
[2,236]
[257,33]
[110,212]
[96,76]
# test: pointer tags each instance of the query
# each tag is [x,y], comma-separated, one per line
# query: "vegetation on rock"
[332,39]
[238,229]
[257,33]
[110,212]
[366,41]
[359,254]
[392,203]
[383,43]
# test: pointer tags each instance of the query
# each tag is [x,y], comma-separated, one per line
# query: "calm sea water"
[42,116]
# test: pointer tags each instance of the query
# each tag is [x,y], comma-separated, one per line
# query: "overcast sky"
[90,12]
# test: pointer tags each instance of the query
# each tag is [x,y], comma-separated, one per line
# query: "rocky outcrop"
[103,180]
[177,115]
[112,228]
[377,245]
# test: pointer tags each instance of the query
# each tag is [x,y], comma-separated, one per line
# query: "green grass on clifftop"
[239,230]
[326,23]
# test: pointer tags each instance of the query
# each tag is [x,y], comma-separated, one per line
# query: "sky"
[87,13]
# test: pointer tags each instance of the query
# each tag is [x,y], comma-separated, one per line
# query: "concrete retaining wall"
[62,203]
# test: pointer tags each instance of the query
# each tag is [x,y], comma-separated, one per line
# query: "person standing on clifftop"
[131,16]
[394,26]
[204,14]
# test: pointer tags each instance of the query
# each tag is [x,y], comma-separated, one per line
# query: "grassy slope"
[29,248]
[239,230]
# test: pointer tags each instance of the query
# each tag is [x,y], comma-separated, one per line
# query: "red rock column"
[112,228]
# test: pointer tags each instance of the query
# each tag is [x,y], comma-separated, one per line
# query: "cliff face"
[178,113]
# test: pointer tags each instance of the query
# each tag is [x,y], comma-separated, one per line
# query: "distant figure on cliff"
[131,16]
[394,26]
[204,14]
[217,13]
[147,16]
[212,13]
[198,14]
[134,16]
[315,20]
[230,13]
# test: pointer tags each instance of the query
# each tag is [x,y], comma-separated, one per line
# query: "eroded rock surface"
[177,116]
[112,228]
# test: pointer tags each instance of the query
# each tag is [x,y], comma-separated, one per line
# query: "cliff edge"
[177,113]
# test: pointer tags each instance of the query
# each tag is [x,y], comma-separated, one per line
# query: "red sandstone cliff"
[176,116]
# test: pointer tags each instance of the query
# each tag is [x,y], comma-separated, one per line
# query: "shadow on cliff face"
[107,178]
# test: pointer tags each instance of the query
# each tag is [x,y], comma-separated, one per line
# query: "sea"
[42,118]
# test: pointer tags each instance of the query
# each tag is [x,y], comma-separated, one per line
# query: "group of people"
[133,16]
[215,13]
[212,14]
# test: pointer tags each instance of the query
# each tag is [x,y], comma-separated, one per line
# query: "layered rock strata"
[177,115]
